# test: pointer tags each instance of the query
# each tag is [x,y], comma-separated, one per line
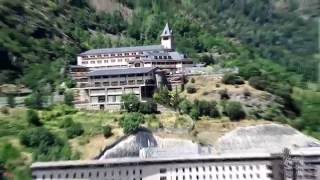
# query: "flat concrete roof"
[144,161]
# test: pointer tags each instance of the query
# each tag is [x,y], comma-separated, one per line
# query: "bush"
[35,137]
[33,118]
[107,131]
[75,130]
[191,89]
[131,122]
[148,107]
[130,103]
[246,93]
[68,98]
[232,79]
[217,85]
[224,94]
[67,122]
[185,106]
[162,96]
[11,101]
[35,100]
[258,83]
[192,80]
[234,110]
[194,113]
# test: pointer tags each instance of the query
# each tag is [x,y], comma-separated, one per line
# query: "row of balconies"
[121,83]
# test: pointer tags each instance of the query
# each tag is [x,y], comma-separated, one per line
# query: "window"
[59,176]
[197,169]
[139,81]
[105,83]
[190,169]
[43,176]
[176,169]
[162,170]
[113,60]
[105,61]
[140,171]
[134,172]
[269,167]
[99,62]
[97,84]
[122,83]
[119,60]
[114,83]
[163,178]
[127,173]
[119,173]
[67,175]
[89,174]
[183,170]
[112,55]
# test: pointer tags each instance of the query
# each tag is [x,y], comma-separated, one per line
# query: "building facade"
[104,88]
[162,56]
[235,166]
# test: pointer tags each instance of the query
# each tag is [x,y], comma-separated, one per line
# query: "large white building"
[235,166]
[162,56]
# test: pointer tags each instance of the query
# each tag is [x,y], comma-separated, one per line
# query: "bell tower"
[167,39]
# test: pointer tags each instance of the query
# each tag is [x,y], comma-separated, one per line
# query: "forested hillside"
[38,37]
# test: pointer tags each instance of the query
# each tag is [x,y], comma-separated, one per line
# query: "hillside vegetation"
[272,42]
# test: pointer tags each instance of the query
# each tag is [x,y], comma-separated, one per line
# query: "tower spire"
[167,38]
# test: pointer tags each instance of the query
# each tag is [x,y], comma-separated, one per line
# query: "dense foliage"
[131,122]
[131,103]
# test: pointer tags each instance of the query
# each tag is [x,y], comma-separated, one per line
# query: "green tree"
[131,122]
[130,103]
[234,110]
[175,99]
[32,118]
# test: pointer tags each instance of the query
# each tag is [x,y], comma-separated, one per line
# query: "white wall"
[252,170]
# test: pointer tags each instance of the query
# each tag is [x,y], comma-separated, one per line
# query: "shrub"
[33,118]
[232,79]
[162,96]
[192,80]
[234,110]
[207,108]
[130,103]
[191,89]
[224,94]
[131,122]
[258,83]
[35,137]
[217,85]
[107,131]
[11,101]
[185,106]
[35,100]
[68,98]
[75,130]
[194,113]
[148,107]
[67,122]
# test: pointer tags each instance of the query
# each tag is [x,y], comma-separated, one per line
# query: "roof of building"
[121,71]
[166,31]
[123,49]
[138,160]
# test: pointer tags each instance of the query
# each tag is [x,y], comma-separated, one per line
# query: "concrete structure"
[104,88]
[233,166]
